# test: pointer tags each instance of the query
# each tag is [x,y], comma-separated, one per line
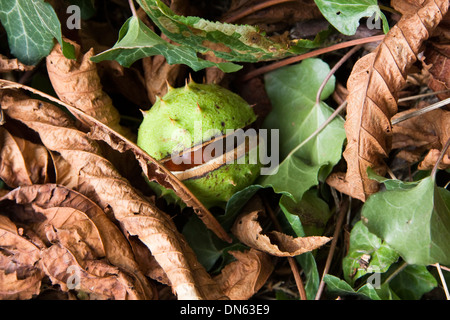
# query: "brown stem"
[333,70]
[342,212]
[291,260]
[311,54]
[253,9]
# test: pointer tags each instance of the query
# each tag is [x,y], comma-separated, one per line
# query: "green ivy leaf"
[344,15]
[366,254]
[408,284]
[137,41]
[413,219]
[194,35]
[413,282]
[292,91]
[340,287]
[31,26]
[231,42]
[312,211]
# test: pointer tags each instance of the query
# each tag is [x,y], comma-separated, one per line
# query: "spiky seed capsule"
[160,138]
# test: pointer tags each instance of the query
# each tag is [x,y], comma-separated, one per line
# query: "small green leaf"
[292,91]
[412,220]
[366,254]
[340,287]
[344,15]
[31,26]
[137,41]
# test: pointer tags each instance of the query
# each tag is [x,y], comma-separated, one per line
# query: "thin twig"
[334,69]
[292,263]
[253,9]
[445,268]
[310,54]
[298,279]
[423,95]
[342,213]
[419,112]
[444,284]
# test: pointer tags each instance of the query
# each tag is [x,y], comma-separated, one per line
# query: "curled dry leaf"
[22,162]
[19,276]
[98,180]
[372,101]
[77,83]
[58,215]
[249,231]
[242,278]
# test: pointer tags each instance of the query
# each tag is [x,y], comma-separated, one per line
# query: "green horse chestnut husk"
[189,131]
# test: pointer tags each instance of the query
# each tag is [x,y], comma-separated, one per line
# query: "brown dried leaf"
[158,73]
[242,278]
[146,261]
[7,65]
[12,287]
[427,132]
[128,82]
[407,7]
[249,231]
[431,158]
[79,225]
[19,276]
[22,162]
[77,83]
[96,278]
[99,181]
[372,101]
[438,56]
